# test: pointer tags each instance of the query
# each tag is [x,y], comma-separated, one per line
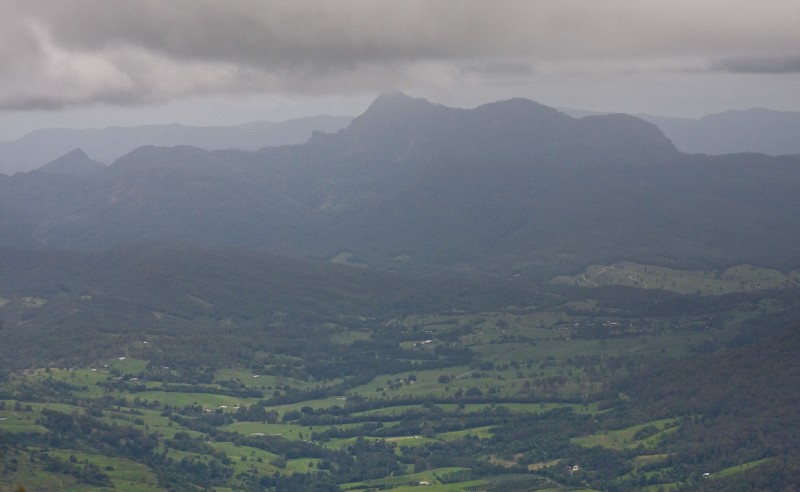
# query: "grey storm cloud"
[61,53]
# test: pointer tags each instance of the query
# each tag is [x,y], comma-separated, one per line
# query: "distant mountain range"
[759,130]
[512,186]
[753,130]
[107,145]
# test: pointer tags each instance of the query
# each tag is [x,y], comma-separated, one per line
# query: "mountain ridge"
[411,184]
[759,130]
[75,162]
[39,147]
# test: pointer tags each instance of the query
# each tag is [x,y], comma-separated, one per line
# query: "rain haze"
[91,63]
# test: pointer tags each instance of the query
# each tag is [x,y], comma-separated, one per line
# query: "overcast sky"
[94,63]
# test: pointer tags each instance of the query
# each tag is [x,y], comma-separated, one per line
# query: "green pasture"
[405,482]
[261,381]
[23,420]
[235,452]
[34,478]
[126,475]
[244,376]
[245,458]
[649,459]
[151,422]
[519,354]
[286,431]
[442,487]
[321,403]
[738,468]
[85,379]
[178,455]
[484,432]
[410,441]
[525,407]
[179,400]
[426,383]
[19,422]
[623,439]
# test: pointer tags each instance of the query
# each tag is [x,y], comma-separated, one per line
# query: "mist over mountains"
[753,130]
[761,130]
[109,144]
[513,185]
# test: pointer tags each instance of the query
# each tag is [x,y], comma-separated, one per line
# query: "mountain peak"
[75,163]
[516,104]
[395,100]
[393,113]
[393,93]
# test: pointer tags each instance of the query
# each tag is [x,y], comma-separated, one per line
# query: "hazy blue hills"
[753,130]
[107,145]
[759,130]
[513,185]
[75,163]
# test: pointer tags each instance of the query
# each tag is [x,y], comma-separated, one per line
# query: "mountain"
[75,163]
[512,186]
[759,130]
[106,145]
[751,130]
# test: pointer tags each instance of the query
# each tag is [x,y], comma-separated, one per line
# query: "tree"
[473,392]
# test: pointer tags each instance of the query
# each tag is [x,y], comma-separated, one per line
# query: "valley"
[534,396]
[555,248]
[503,298]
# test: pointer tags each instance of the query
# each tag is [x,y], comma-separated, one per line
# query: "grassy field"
[738,468]
[126,475]
[431,478]
[627,438]
[516,365]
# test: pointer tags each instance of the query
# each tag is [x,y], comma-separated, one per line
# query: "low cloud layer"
[63,53]
[762,64]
